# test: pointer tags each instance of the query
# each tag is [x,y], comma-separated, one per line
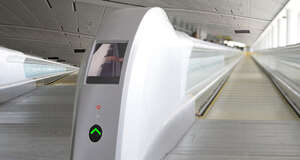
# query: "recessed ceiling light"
[81,50]
[241,31]
[61,60]
[53,58]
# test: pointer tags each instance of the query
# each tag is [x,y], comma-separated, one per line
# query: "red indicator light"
[98,107]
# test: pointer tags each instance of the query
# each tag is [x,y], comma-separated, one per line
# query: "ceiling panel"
[266,9]
[74,41]
[89,17]
[86,43]
[8,17]
[42,12]
[55,29]
[32,34]
[246,8]
[222,20]
[20,11]
[221,24]
[230,7]
[65,14]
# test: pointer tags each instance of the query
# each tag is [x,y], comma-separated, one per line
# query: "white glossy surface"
[155,89]
[156,104]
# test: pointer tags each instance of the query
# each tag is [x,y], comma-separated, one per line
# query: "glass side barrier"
[282,62]
[35,68]
[205,64]
[17,67]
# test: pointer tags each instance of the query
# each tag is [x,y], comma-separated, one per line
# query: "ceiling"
[54,28]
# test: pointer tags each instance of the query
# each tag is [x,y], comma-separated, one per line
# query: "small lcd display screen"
[106,63]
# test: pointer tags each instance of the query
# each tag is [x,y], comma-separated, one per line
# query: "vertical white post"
[203,34]
[267,39]
[198,32]
[292,20]
[278,33]
[271,37]
[283,31]
[275,35]
[298,28]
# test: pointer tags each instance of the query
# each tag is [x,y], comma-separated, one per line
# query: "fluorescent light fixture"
[234,44]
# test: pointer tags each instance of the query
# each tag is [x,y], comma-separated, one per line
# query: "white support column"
[298,28]
[275,35]
[203,34]
[278,32]
[271,37]
[198,32]
[283,32]
[268,40]
[292,23]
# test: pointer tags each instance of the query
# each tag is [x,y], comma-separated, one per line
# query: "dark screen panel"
[106,64]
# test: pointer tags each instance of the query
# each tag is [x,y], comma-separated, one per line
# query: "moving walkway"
[250,95]
[248,119]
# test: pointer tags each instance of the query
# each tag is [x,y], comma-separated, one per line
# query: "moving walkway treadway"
[68,80]
[249,94]
[37,125]
[248,120]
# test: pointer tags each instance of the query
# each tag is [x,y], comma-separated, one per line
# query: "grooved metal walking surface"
[37,125]
[239,140]
[250,95]
[248,121]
